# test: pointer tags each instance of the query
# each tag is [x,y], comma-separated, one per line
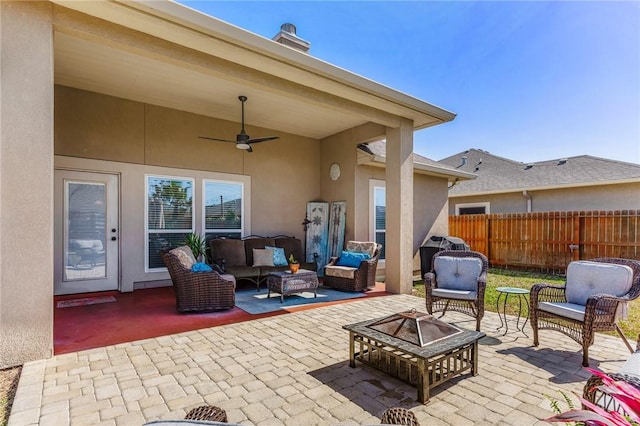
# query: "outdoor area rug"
[257,302]
[84,301]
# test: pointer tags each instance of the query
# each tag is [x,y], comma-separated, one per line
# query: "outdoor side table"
[504,293]
[287,283]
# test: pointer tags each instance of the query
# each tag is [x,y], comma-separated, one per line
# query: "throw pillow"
[352,259]
[262,257]
[586,278]
[184,255]
[279,258]
[201,267]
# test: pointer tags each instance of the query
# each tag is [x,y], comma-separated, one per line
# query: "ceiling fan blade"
[268,138]
[250,149]
[216,139]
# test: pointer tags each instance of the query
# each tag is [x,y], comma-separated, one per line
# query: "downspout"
[526,195]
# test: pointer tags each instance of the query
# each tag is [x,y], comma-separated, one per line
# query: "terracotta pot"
[294,267]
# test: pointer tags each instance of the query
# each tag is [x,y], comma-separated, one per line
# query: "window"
[378,213]
[472,208]
[223,208]
[169,215]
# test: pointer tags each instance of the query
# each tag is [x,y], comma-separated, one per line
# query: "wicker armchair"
[399,416]
[555,308]
[629,373]
[453,291]
[347,278]
[199,291]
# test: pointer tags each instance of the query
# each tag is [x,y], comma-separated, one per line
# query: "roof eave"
[425,169]
[182,25]
[548,187]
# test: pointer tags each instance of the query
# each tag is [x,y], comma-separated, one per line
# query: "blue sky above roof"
[529,80]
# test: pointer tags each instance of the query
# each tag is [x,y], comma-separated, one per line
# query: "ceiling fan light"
[242,145]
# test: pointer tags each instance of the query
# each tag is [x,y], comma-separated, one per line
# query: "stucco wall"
[26,181]
[283,174]
[352,186]
[624,196]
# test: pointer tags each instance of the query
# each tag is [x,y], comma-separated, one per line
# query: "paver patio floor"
[293,369]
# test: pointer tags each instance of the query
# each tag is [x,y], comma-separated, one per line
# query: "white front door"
[86,232]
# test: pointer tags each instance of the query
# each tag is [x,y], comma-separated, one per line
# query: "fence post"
[576,236]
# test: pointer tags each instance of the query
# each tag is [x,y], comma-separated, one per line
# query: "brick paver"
[292,369]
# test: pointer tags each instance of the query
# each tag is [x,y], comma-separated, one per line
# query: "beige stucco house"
[581,183]
[101,107]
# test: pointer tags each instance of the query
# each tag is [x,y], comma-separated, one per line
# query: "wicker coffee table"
[422,366]
[287,283]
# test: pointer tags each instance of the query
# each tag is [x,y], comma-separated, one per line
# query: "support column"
[26,182]
[399,209]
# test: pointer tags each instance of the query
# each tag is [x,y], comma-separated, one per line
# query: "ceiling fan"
[243,140]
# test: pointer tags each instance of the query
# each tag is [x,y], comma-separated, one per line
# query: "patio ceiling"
[165,54]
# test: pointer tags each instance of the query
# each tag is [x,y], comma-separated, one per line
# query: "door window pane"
[85,231]
[169,215]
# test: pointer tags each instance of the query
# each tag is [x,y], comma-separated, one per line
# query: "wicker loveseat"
[198,291]
[236,256]
[352,278]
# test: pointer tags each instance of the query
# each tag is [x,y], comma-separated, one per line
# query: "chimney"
[463,160]
[288,37]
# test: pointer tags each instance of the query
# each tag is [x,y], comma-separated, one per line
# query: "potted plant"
[198,245]
[294,265]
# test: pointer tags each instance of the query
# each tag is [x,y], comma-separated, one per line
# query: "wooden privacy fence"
[550,240]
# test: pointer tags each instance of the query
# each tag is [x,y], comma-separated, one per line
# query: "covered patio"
[111,98]
[293,369]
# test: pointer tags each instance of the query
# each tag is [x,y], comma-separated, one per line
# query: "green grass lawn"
[524,279]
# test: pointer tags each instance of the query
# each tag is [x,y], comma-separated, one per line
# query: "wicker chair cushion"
[228,277]
[262,257]
[454,294]
[340,271]
[566,310]
[586,279]
[242,272]
[457,273]
[361,247]
[185,256]
[232,250]
[632,365]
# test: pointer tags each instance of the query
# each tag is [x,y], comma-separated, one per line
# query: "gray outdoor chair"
[457,282]
[593,298]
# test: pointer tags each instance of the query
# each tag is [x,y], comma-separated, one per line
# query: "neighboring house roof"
[374,154]
[499,175]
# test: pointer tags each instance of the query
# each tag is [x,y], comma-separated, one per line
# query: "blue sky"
[530,81]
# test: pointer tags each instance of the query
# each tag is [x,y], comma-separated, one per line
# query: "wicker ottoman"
[287,283]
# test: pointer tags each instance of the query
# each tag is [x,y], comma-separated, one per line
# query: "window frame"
[376,184]
[147,231]
[242,209]
[485,204]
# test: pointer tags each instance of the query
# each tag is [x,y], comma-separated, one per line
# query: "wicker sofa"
[236,256]
[197,291]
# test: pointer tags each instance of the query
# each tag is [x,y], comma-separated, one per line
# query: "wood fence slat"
[550,240]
